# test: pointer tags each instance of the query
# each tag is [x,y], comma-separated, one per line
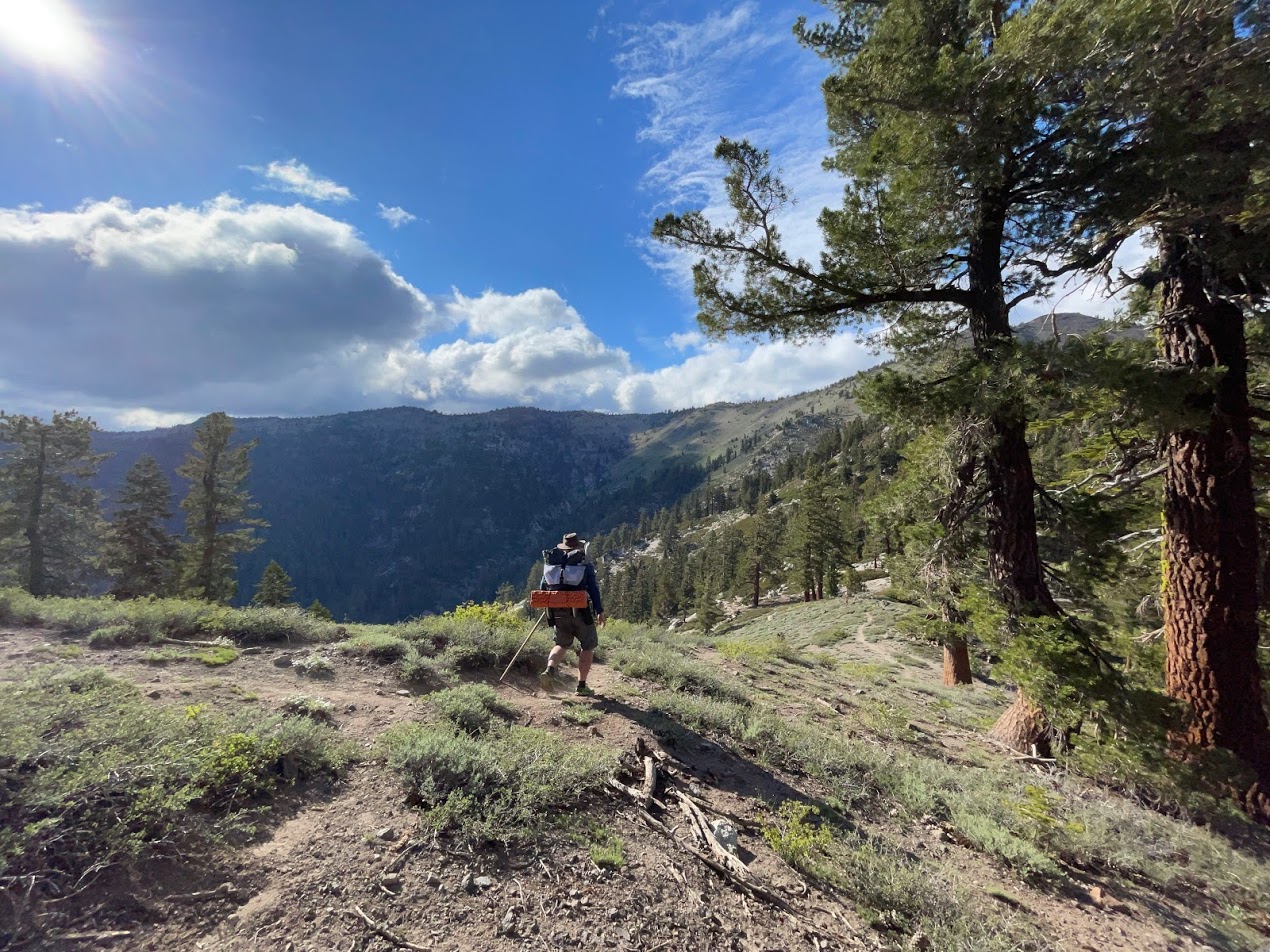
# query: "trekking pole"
[521,648]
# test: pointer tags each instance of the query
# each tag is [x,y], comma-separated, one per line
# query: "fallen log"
[650,781]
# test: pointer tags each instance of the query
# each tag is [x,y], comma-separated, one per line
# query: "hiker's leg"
[584,664]
[557,652]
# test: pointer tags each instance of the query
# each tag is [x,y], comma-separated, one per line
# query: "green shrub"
[314,708]
[417,668]
[153,619]
[378,645]
[473,708]
[497,787]
[607,849]
[111,636]
[795,834]
[314,665]
[216,657]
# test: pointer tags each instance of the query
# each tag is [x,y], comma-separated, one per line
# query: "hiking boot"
[584,691]
[548,680]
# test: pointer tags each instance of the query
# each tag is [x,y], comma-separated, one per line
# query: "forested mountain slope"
[383,514]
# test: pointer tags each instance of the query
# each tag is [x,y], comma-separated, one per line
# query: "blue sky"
[295,208]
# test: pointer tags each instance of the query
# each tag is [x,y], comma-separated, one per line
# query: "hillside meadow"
[180,775]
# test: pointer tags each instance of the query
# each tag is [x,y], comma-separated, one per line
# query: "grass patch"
[864,671]
[216,657]
[583,715]
[766,648]
[493,787]
[97,775]
[607,849]
[668,666]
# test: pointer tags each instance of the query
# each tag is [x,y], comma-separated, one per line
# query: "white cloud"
[296,178]
[145,317]
[498,315]
[143,418]
[738,371]
[179,309]
[395,215]
[739,75]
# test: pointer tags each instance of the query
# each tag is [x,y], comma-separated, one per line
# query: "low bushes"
[109,622]
[498,786]
[94,774]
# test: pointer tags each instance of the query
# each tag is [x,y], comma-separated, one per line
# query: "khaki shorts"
[570,626]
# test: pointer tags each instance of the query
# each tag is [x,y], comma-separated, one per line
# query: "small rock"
[391,881]
[387,833]
[154,695]
[467,884]
[508,926]
[403,693]
[284,661]
[613,912]
[482,882]
[858,691]
[1097,896]
[920,941]
[432,879]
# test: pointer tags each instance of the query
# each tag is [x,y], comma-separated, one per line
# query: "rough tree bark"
[1014,558]
[956,663]
[1210,529]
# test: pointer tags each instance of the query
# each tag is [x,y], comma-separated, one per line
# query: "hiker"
[565,568]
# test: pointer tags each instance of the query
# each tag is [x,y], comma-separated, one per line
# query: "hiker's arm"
[593,589]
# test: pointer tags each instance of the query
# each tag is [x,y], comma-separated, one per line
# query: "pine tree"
[50,526]
[318,610]
[708,612]
[953,198]
[1175,140]
[140,554]
[274,588]
[218,520]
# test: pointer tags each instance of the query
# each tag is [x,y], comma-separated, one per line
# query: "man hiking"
[566,569]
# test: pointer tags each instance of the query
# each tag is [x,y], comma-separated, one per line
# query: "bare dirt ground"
[343,868]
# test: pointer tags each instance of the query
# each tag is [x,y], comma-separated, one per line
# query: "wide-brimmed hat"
[571,541]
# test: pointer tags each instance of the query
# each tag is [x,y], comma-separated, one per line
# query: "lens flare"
[46,33]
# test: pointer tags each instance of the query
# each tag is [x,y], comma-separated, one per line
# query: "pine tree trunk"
[1014,558]
[956,662]
[757,569]
[1210,528]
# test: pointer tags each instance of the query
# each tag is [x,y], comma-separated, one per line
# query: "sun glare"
[46,33]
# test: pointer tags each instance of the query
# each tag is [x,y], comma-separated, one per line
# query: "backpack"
[563,571]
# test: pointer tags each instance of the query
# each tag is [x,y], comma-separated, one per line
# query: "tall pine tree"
[50,524]
[218,511]
[942,130]
[140,553]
